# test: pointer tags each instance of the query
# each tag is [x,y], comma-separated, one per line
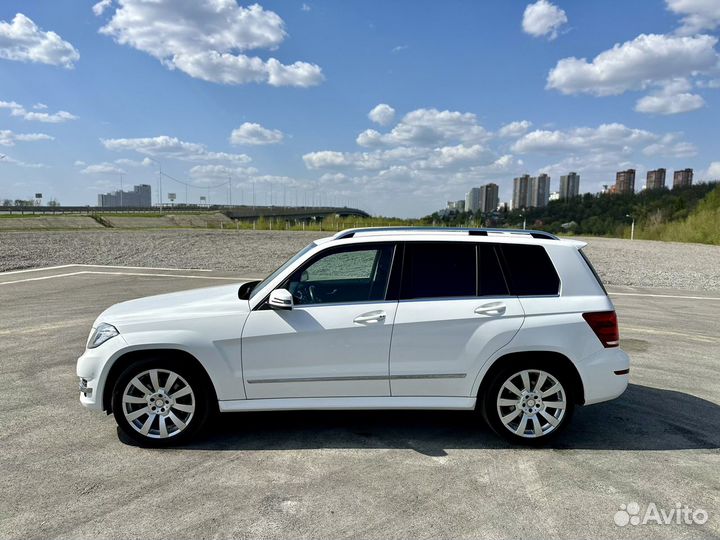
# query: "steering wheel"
[312,291]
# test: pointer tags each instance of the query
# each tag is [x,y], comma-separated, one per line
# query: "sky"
[393,107]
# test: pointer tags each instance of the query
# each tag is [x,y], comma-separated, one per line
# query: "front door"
[335,342]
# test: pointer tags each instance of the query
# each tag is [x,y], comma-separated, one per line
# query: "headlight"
[101,334]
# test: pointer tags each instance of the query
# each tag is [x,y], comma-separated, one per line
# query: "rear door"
[454,312]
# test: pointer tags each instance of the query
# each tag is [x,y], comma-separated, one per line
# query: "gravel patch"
[638,263]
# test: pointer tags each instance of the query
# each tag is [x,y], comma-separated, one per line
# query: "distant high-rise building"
[489,197]
[472,200]
[539,191]
[655,179]
[139,197]
[682,178]
[569,185]
[521,189]
[625,181]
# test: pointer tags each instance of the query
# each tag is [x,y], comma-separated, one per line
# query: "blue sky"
[279,96]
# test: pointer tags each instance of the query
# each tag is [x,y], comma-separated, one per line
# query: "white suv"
[515,324]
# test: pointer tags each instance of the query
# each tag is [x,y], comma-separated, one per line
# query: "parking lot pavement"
[349,474]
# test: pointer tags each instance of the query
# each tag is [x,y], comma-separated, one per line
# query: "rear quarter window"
[529,270]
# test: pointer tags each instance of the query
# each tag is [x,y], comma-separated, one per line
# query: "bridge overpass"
[242,212]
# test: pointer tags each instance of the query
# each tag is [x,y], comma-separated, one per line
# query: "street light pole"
[160,200]
[632,226]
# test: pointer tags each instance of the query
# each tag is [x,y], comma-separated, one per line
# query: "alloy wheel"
[531,403]
[158,403]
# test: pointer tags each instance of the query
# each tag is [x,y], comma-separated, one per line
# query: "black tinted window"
[529,270]
[439,270]
[490,277]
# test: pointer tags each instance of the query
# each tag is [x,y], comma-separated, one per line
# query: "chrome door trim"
[360,378]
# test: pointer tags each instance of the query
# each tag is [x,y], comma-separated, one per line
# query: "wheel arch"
[179,355]
[539,358]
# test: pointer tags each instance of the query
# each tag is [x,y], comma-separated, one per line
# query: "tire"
[523,412]
[154,415]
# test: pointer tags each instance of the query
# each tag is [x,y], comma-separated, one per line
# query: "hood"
[195,303]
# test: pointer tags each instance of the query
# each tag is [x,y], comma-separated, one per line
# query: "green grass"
[701,226]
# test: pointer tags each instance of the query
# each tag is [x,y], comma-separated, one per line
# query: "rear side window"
[439,270]
[490,276]
[592,269]
[529,270]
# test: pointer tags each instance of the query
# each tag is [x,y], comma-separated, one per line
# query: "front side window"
[439,270]
[351,274]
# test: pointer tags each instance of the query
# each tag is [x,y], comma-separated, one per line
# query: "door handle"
[493,308]
[370,317]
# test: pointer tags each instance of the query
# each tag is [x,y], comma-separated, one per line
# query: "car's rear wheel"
[157,402]
[527,404]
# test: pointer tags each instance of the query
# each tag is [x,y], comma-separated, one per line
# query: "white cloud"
[713,171]
[606,136]
[672,98]
[220,172]
[305,7]
[166,147]
[102,168]
[18,110]
[101,6]
[633,65]
[605,139]
[7,160]
[206,40]
[428,127]
[399,48]
[145,162]
[382,114]
[669,146]
[697,15]
[255,134]
[9,138]
[708,83]
[23,41]
[39,106]
[543,19]
[515,129]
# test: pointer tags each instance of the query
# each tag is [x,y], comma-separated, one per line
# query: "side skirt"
[347,403]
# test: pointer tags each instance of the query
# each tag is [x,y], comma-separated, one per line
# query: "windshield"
[260,286]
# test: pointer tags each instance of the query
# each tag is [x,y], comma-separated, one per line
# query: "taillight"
[605,326]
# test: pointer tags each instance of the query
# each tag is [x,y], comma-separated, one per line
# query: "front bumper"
[604,374]
[92,371]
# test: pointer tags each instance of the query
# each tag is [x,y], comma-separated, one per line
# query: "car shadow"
[643,418]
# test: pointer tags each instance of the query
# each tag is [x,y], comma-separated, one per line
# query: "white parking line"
[237,279]
[666,296]
[102,266]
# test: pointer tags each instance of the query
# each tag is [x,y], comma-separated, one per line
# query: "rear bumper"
[604,374]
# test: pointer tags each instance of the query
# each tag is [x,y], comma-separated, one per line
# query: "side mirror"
[281,299]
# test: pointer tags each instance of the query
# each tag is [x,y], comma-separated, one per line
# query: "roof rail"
[349,233]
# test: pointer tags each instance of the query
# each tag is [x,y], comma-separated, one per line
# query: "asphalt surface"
[65,474]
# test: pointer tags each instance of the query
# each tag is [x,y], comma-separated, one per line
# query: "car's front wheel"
[160,403]
[528,405]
